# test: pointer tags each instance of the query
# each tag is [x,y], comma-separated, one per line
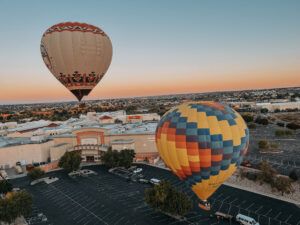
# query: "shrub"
[268,173]
[280,124]
[281,132]
[293,175]
[35,173]
[284,185]
[293,126]
[248,117]
[274,145]
[263,121]
[252,126]
[263,144]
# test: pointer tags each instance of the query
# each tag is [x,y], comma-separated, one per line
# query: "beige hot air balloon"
[77,54]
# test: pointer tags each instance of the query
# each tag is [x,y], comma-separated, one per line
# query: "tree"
[15,204]
[252,126]
[5,186]
[293,175]
[263,144]
[35,173]
[248,117]
[167,199]
[284,185]
[70,161]
[110,158]
[126,157]
[268,173]
[123,158]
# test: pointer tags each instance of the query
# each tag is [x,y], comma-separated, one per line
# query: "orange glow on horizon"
[110,89]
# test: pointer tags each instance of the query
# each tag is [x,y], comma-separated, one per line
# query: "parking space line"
[270,210]
[277,215]
[249,206]
[259,209]
[288,218]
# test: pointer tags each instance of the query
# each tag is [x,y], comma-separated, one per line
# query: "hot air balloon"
[77,54]
[202,143]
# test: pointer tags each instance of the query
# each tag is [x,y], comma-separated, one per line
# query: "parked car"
[144,181]
[3,174]
[18,169]
[138,170]
[246,164]
[245,220]
[29,167]
[154,181]
[18,163]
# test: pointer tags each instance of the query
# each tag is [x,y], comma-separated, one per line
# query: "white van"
[245,220]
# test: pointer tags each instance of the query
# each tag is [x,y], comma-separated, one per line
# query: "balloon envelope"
[77,54]
[202,143]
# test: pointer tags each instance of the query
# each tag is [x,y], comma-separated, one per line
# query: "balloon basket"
[205,207]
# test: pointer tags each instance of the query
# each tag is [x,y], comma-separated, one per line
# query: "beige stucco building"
[90,142]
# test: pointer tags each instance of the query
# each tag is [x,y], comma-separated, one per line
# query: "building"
[90,138]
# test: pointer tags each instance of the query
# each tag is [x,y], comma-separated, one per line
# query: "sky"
[159,46]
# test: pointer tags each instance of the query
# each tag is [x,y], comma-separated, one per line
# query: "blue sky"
[163,47]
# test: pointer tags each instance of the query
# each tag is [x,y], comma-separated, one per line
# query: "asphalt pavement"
[106,198]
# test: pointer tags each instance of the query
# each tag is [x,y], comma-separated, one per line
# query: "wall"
[29,152]
[143,143]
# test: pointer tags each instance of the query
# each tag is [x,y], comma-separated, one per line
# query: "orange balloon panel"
[77,54]
[202,143]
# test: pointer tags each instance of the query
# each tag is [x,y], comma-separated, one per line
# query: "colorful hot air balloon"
[202,143]
[77,54]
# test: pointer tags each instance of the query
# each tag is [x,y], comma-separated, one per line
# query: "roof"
[122,141]
[105,117]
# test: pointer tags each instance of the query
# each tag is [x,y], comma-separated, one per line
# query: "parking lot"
[283,162]
[106,198]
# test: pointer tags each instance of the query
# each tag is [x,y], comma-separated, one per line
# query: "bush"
[262,121]
[281,132]
[280,124]
[293,175]
[5,186]
[248,117]
[284,185]
[15,204]
[274,145]
[268,173]
[167,199]
[293,126]
[263,144]
[35,173]
[252,126]
[70,161]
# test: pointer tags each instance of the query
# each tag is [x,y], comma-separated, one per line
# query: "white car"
[138,170]
[154,181]
[4,174]
[245,220]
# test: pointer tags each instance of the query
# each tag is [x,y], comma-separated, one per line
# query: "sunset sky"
[159,46]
